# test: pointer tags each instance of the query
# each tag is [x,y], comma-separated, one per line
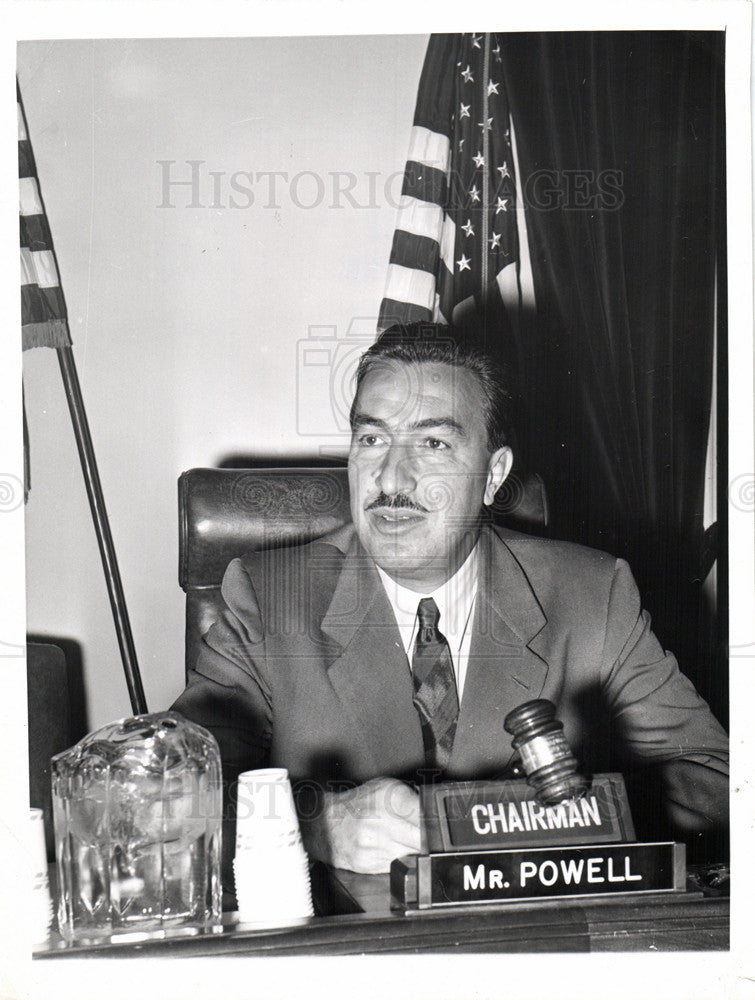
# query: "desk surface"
[359,920]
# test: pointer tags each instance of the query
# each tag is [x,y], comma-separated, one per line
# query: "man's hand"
[365,828]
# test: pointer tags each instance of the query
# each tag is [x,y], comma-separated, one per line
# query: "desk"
[357,919]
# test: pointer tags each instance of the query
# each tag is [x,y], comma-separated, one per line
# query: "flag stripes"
[37,306]
[455,250]
[43,310]
[25,155]
[410,250]
[35,232]
[430,148]
[412,286]
[425,183]
[420,218]
[401,311]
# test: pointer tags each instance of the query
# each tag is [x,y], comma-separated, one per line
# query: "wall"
[188,304]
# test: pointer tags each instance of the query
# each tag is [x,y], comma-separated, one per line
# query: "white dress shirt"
[455,600]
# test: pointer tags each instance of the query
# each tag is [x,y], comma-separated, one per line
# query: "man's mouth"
[395,522]
[394,513]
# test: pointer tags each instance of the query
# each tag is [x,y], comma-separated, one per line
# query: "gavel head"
[546,756]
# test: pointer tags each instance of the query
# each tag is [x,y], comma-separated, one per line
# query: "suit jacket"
[305,669]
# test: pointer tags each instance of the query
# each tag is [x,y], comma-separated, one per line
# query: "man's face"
[420,469]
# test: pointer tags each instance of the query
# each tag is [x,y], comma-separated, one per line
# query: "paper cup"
[271,869]
[272,892]
[265,810]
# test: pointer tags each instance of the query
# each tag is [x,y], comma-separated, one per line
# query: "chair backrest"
[224,513]
[50,729]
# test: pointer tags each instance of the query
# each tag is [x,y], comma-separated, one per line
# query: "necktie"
[435,695]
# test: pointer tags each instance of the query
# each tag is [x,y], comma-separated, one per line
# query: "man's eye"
[435,444]
[369,440]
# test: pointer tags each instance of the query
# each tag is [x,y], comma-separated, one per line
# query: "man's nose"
[396,473]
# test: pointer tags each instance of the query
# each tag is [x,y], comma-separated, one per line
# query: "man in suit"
[391,651]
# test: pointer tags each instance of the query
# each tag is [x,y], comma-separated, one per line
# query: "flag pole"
[102,528]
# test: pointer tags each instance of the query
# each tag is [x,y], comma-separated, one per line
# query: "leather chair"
[50,728]
[224,513]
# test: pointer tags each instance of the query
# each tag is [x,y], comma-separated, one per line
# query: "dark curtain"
[620,143]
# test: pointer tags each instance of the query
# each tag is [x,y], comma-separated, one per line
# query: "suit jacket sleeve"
[660,715]
[227,691]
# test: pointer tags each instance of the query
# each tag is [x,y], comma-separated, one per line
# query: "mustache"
[399,501]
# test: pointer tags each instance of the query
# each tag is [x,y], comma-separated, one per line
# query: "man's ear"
[499,466]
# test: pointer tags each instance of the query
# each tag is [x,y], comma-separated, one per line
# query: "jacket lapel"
[371,675]
[503,670]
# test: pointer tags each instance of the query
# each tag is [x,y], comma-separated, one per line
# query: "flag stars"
[474,194]
[497,52]
[479,160]
[487,125]
[468,228]
[476,41]
[464,113]
[464,264]
[467,74]
[493,87]
[501,205]
[461,144]
[495,240]
[503,170]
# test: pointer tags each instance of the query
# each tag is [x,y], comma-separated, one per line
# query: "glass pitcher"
[137,810]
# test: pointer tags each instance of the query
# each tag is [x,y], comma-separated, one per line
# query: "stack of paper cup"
[271,868]
[41,909]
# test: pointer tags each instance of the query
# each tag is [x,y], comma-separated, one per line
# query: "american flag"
[455,251]
[43,309]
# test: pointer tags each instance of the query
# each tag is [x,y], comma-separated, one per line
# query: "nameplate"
[481,815]
[478,878]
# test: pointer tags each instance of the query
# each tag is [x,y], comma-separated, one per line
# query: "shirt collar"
[454,598]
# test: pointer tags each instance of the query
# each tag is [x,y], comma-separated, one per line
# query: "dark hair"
[415,343]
